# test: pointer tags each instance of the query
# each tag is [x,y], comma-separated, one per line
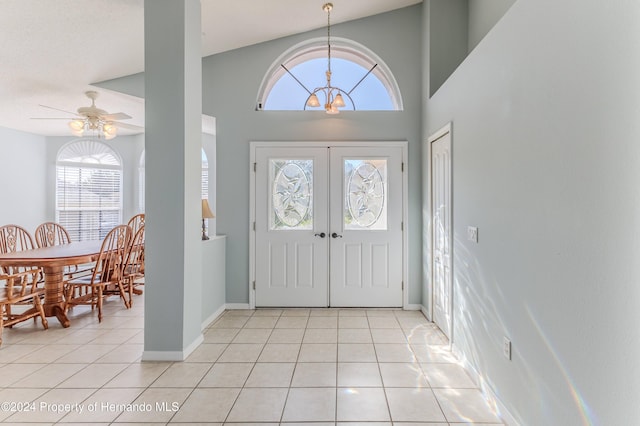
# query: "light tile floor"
[268,366]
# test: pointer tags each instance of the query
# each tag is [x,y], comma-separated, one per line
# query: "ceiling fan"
[91,119]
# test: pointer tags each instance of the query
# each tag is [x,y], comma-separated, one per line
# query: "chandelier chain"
[328,8]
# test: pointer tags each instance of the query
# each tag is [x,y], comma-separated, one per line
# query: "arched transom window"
[88,189]
[365,82]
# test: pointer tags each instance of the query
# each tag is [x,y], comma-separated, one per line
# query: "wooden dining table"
[53,260]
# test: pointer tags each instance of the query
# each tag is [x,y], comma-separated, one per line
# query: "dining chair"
[52,234]
[20,283]
[136,222]
[14,238]
[133,273]
[21,288]
[106,273]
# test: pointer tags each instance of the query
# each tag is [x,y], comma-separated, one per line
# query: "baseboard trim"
[214,316]
[425,312]
[412,307]
[234,306]
[487,391]
[173,355]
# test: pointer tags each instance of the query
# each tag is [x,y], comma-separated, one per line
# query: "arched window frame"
[340,48]
[85,215]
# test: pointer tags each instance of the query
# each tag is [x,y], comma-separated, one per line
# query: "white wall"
[546,163]
[22,179]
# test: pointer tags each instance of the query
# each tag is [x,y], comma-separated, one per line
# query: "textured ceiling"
[51,51]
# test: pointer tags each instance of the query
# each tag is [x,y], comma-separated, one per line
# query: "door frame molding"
[253,145]
[443,131]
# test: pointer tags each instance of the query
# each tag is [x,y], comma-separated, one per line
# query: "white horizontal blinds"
[205,176]
[88,189]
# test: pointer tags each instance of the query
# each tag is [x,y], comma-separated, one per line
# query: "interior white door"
[366,200]
[441,231]
[291,265]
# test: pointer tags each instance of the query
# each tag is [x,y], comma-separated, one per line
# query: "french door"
[328,226]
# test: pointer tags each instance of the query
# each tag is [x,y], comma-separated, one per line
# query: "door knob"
[321,235]
[335,235]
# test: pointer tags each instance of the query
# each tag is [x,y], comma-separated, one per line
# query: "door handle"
[336,235]
[321,235]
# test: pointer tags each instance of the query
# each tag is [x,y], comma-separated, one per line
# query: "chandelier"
[333,96]
[93,124]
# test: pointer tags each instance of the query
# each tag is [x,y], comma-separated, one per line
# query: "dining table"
[53,260]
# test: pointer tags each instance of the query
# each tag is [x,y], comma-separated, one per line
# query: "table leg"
[53,295]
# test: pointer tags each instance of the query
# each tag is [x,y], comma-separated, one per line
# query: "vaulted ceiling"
[51,51]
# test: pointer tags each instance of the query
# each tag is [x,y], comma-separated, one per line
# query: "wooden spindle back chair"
[107,272]
[136,222]
[134,266]
[20,282]
[51,234]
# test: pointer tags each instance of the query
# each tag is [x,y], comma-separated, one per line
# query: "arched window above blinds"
[88,189]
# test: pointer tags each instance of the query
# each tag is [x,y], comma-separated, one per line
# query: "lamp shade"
[77,127]
[206,210]
[338,101]
[109,130]
[313,101]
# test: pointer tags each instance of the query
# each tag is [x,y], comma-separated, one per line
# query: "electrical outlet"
[506,348]
[472,233]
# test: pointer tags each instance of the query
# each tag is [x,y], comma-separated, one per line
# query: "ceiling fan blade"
[53,118]
[58,109]
[128,126]
[116,116]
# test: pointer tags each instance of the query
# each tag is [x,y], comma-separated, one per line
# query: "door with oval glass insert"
[328,226]
[366,226]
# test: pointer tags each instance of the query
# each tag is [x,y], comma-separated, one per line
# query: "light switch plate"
[472,233]
[506,348]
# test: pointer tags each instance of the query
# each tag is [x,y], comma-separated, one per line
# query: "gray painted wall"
[448,39]
[546,162]
[22,179]
[213,277]
[483,15]
[230,85]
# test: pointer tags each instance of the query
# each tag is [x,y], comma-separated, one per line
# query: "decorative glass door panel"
[291,183]
[365,194]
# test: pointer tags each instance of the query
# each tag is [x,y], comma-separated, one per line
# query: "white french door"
[328,226]
[441,230]
[291,260]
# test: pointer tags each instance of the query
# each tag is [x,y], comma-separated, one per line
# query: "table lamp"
[206,214]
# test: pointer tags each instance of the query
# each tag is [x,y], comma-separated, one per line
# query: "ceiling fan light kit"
[95,121]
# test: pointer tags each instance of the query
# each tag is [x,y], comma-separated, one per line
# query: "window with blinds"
[88,189]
